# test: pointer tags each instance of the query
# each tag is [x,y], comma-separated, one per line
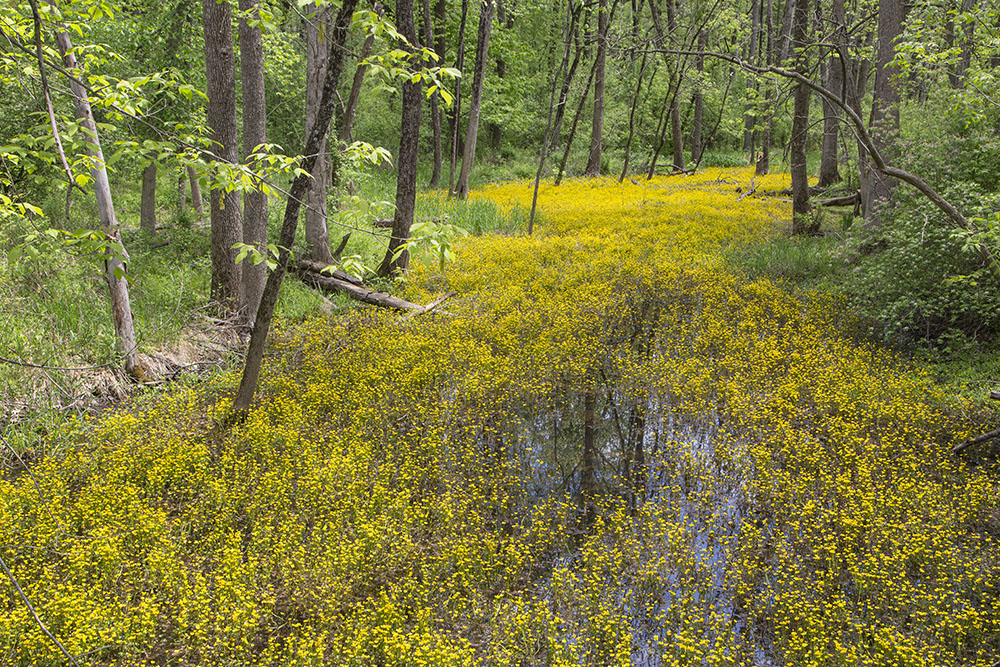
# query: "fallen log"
[306,265]
[847,200]
[995,433]
[355,289]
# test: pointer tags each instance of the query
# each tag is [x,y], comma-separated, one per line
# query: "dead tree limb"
[985,437]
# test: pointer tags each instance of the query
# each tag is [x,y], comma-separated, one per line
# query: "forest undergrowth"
[609,450]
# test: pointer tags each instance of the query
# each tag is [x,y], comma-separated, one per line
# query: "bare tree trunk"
[254,134]
[435,105]
[147,206]
[409,150]
[181,194]
[114,265]
[456,115]
[801,224]
[597,127]
[749,114]
[317,53]
[505,21]
[785,38]
[314,140]
[196,201]
[351,108]
[564,92]
[631,118]
[969,43]
[764,157]
[227,229]
[829,172]
[885,107]
[576,120]
[699,103]
[482,53]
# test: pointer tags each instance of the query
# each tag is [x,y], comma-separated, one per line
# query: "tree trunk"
[576,121]
[181,193]
[147,207]
[785,37]
[597,127]
[885,108]
[254,134]
[567,81]
[409,149]
[801,222]
[317,53]
[631,118]
[494,130]
[699,103]
[114,265]
[314,140]
[220,73]
[750,110]
[482,53]
[764,157]
[196,200]
[435,105]
[829,172]
[351,108]
[456,115]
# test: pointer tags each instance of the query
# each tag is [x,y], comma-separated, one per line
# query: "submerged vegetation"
[612,449]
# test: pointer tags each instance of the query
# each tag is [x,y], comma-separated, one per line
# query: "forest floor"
[610,448]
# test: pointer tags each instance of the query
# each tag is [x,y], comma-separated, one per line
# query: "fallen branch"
[995,433]
[312,274]
[847,200]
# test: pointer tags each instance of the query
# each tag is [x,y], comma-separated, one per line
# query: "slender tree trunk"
[254,134]
[456,115]
[314,140]
[494,130]
[785,38]
[597,126]
[576,121]
[114,265]
[147,206]
[749,113]
[435,106]
[764,157]
[801,222]
[227,228]
[409,148]
[699,103]
[631,118]
[351,108]
[969,43]
[677,134]
[317,53]
[829,171]
[885,107]
[181,194]
[567,81]
[482,53]
[568,37]
[196,200]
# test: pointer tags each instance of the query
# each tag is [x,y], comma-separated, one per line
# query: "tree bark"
[456,115]
[567,81]
[576,121]
[408,156]
[753,51]
[482,53]
[597,126]
[314,140]
[254,134]
[435,103]
[829,169]
[351,108]
[220,85]
[147,206]
[763,165]
[114,265]
[699,103]
[631,118]
[878,195]
[196,200]
[801,222]
[317,54]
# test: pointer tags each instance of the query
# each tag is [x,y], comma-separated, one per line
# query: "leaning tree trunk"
[196,200]
[317,232]
[801,223]
[396,261]
[315,138]
[220,72]
[147,206]
[885,109]
[114,264]
[699,103]
[597,126]
[254,134]
[435,103]
[351,108]
[482,53]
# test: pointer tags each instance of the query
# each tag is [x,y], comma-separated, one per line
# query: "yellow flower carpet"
[611,449]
